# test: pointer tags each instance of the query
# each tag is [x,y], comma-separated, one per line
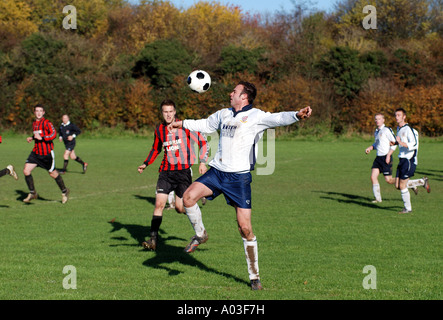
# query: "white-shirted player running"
[407,140]
[384,142]
[241,127]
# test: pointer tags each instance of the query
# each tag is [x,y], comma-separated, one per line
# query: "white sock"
[251,253]
[406,196]
[195,217]
[416,183]
[376,191]
[171,197]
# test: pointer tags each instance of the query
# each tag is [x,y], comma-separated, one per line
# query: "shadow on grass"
[149,199]
[431,174]
[22,196]
[348,198]
[166,254]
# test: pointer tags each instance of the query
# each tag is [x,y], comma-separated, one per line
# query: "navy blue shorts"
[406,168]
[236,187]
[69,145]
[380,164]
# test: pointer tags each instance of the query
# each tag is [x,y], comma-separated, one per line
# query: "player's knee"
[245,232]
[188,200]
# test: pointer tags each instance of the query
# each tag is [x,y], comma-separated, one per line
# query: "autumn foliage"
[124,59]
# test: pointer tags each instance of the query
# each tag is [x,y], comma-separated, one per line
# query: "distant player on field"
[241,127]
[9,169]
[384,142]
[68,133]
[407,140]
[42,154]
[175,169]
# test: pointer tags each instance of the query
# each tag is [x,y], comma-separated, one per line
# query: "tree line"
[123,59]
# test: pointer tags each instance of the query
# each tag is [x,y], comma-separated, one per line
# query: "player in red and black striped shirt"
[42,154]
[175,169]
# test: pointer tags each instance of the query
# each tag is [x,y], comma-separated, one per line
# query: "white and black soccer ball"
[199,81]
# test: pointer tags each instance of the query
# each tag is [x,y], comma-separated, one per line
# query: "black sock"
[155,225]
[60,183]
[80,161]
[30,182]
[4,172]
[65,164]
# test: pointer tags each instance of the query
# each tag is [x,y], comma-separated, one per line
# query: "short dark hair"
[39,105]
[402,110]
[250,90]
[167,102]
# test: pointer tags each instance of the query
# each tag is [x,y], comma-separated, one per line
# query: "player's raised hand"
[175,125]
[304,113]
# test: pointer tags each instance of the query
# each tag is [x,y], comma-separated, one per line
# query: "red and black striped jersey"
[47,131]
[179,148]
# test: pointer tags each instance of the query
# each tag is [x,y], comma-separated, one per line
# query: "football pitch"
[319,236]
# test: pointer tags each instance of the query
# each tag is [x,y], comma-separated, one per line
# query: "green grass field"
[315,225]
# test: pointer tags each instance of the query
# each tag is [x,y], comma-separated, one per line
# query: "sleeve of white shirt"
[209,125]
[272,120]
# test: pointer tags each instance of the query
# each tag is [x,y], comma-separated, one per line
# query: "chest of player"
[40,128]
[66,131]
[239,130]
[175,141]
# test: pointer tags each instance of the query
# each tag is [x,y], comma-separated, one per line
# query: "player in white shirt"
[384,142]
[240,127]
[407,140]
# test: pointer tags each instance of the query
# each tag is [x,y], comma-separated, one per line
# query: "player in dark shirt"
[175,169]
[42,154]
[68,133]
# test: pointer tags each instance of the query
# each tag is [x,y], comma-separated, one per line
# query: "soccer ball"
[199,81]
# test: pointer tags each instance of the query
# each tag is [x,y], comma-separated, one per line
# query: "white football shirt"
[383,138]
[407,136]
[239,134]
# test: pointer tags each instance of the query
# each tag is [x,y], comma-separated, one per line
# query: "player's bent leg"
[157,218]
[389,179]
[61,184]
[27,170]
[178,205]
[195,192]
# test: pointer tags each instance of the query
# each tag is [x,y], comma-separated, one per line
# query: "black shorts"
[45,162]
[70,145]
[406,168]
[178,181]
[380,164]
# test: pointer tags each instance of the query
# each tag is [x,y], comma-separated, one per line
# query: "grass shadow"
[22,196]
[431,174]
[167,254]
[149,199]
[349,198]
